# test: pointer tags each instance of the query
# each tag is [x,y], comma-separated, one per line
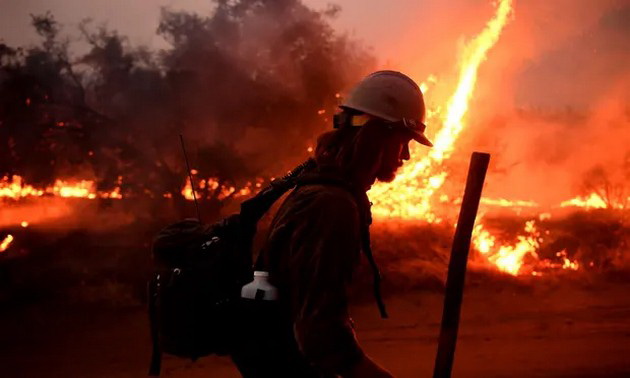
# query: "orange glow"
[507,258]
[187,191]
[80,189]
[507,203]
[212,184]
[418,190]
[409,195]
[6,242]
[593,201]
[24,224]
[14,188]
[511,258]
[114,194]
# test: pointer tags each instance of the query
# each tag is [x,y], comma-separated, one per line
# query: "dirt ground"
[540,330]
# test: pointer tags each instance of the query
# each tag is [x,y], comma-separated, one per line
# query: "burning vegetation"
[101,126]
[418,191]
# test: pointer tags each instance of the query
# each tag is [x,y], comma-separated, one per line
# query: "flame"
[511,258]
[507,258]
[566,263]
[81,189]
[224,191]
[15,188]
[114,194]
[6,242]
[409,195]
[593,201]
[507,203]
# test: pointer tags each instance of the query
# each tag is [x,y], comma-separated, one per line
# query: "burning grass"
[576,244]
[81,259]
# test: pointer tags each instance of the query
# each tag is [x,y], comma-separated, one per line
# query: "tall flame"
[409,196]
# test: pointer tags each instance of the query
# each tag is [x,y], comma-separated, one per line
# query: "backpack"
[194,294]
[199,271]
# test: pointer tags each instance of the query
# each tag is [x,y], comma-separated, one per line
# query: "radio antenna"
[192,183]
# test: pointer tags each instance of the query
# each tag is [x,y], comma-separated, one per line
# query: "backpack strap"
[364,205]
[376,274]
[254,208]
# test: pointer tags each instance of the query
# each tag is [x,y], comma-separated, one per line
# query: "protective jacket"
[313,247]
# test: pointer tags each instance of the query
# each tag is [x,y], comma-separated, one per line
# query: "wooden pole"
[457,265]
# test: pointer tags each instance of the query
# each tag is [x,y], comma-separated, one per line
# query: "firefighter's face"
[395,152]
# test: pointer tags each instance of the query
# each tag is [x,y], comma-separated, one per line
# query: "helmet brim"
[415,127]
[422,139]
[417,131]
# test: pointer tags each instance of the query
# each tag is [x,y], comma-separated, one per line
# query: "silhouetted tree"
[249,85]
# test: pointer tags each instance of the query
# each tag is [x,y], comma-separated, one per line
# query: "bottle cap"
[260,273]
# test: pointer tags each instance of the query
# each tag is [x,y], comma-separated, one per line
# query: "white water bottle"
[260,288]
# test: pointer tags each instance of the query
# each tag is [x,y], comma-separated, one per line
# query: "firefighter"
[315,239]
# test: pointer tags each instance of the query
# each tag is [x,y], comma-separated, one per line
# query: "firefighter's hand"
[366,368]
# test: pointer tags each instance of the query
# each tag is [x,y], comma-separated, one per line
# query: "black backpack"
[198,275]
[194,294]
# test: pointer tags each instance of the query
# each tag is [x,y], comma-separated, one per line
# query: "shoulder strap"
[254,208]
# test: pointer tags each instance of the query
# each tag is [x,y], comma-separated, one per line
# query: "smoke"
[250,85]
[251,92]
[570,101]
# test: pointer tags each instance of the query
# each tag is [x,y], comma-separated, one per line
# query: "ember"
[6,242]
